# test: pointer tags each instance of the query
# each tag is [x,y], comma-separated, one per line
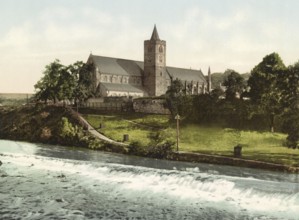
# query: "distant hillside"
[16,95]
[14,98]
[219,78]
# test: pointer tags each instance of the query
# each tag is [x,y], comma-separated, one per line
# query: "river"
[54,182]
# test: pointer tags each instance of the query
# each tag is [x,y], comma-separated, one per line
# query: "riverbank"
[231,161]
[49,125]
[61,125]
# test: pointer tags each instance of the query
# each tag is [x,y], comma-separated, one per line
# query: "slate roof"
[185,74]
[122,87]
[116,66]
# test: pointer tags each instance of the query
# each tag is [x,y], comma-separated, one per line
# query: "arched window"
[161,49]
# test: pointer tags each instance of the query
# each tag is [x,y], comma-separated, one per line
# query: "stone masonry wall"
[151,106]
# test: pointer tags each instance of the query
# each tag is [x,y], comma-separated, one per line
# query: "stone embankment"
[232,161]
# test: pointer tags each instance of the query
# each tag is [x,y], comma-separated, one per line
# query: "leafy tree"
[175,89]
[61,82]
[217,79]
[290,91]
[264,86]
[177,100]
[217,93]
[48,85]
[204,108]
[234,84]
[84,89]
[67,83]
[289,84]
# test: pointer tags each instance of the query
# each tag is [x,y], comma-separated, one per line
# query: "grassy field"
[263,146]
[138,127]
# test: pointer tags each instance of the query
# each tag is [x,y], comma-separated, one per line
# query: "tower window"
[161,74]
[161,49]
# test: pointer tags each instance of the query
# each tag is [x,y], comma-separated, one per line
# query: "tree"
[61,82]
[264,86]
[177,99]
[217,79]
[84,89]
[47,86]
[217,93]
[234,84]
[173,94]
[290,91]
[289,84]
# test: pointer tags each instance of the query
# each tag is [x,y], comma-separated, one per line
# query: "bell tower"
[154,65]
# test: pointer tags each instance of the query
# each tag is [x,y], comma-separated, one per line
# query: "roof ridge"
[116,58]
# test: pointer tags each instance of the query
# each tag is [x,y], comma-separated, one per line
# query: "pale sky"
[222,34]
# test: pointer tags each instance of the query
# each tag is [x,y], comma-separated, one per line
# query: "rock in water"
[0,163]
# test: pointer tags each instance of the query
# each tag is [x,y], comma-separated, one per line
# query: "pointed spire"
[209,80]
[155,35]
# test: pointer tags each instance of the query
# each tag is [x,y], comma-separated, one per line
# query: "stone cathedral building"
[122,77]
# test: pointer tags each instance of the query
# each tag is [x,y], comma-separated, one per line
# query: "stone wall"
[124,104]
[151,106]
[109,104]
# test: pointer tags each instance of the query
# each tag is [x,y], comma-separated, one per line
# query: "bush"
[136,148]
[160,150]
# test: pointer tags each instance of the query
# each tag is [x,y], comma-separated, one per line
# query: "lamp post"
[177,117]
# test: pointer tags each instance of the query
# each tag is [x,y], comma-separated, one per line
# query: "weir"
[138,187]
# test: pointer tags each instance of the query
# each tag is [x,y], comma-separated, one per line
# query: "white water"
[41,187]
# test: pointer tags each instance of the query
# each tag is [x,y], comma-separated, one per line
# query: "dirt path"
[95,133]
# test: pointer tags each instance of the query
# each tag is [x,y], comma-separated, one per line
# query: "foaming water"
[40,187]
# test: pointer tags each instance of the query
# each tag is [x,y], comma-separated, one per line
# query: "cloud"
[234,37]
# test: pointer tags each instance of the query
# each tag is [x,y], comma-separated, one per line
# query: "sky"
[222,34]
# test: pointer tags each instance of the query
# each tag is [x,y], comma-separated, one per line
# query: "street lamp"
[177,118]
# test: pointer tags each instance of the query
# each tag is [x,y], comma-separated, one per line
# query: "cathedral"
[122,77]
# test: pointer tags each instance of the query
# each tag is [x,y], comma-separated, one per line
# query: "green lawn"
[139,127]
[263,146]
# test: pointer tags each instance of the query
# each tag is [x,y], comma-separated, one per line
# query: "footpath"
[95,133]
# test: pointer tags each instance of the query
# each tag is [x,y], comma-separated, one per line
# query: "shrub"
[136,148]
[67,130]
[160,150]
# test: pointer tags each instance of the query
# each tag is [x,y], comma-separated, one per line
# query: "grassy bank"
[261,146]
[139,127]
[46,124]
[149,135]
